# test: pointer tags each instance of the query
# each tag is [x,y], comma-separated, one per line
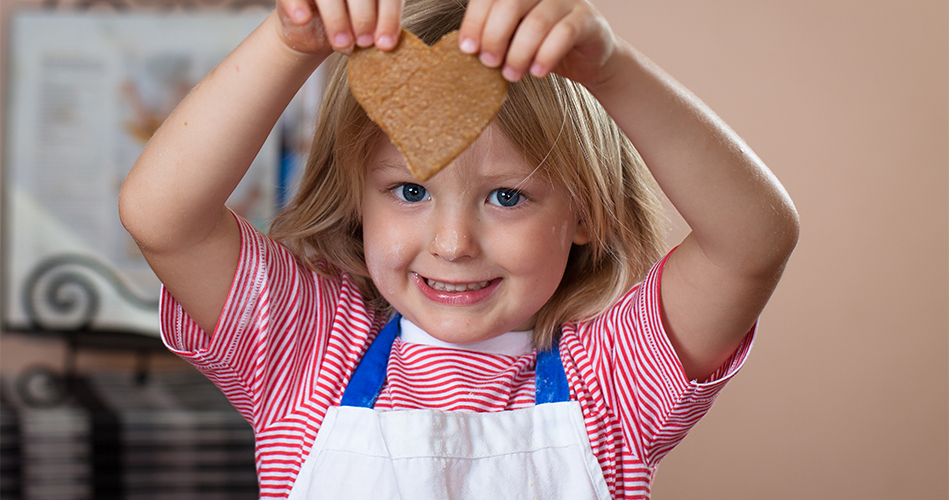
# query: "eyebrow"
[385,166]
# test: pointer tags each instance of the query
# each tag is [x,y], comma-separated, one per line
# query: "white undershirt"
[509,344]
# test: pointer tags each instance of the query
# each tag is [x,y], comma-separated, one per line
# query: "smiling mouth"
[456,287]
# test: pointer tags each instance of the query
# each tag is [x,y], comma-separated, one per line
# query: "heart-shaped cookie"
[432,101]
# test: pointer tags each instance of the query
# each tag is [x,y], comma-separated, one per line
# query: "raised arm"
[743,223]
[172,202]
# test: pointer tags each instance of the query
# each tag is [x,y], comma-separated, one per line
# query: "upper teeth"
[456,287]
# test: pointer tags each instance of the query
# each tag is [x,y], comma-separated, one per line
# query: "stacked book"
[10,460]
[170,436]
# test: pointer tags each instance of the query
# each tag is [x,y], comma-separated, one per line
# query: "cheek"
[557,236]
[385,248]
[540,252]
[563,235]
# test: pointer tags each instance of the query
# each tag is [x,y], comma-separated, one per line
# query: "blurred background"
[845,395]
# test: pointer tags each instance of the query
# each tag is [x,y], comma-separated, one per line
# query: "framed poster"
[85,92]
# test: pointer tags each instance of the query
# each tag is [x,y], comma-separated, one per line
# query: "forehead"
[491,154]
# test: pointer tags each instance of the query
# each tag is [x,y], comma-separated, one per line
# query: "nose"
[455,236]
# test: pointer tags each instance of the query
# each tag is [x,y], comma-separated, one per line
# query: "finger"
[296,12]
[562,38]
[389,23]
[502,20]
[336,23]
[529,36]
[469,34]
[362,16]
[301,27]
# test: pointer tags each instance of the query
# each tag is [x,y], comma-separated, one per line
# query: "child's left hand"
[567,37]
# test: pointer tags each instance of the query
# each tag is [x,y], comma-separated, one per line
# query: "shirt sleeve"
[275,320]
[642,378]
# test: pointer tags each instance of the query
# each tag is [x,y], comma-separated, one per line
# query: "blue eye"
[412,193]
[504,197]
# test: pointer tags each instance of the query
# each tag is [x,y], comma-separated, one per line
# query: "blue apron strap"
[550,380]
[370,375]
[366,384]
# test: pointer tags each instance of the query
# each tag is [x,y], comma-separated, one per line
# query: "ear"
[582,235]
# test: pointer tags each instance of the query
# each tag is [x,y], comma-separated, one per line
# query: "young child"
[508,328]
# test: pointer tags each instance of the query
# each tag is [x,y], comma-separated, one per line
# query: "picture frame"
[86,89]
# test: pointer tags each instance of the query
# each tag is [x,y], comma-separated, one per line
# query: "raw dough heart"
[431,101]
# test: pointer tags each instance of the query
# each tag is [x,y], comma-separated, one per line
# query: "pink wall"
[845,394]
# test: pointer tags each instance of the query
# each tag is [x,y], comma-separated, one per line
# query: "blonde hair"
[558,126]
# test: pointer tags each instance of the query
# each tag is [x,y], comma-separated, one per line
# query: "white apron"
[540,452]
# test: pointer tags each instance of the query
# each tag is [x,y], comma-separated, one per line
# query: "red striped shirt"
[288,342]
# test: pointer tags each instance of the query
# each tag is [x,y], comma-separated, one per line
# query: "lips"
[456,294]
[456,287]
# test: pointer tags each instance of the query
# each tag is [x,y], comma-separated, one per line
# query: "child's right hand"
[315,26]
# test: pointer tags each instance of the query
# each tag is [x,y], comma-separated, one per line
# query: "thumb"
[301,27]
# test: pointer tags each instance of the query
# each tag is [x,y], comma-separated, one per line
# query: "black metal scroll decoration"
[60,293]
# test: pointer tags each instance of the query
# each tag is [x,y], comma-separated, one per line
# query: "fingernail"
[538,70]
[299,15]
[488,60]
[468,46]
[509,74]
[342,40]
[385,42]
[364,40]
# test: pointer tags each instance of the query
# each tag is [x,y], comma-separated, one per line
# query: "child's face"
[474,251]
